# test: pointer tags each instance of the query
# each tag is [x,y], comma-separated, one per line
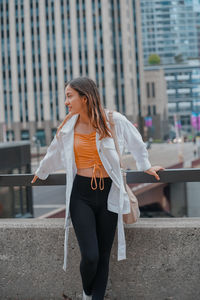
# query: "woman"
[95,196]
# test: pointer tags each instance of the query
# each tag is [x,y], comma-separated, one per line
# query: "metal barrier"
[175,198]
[167,175]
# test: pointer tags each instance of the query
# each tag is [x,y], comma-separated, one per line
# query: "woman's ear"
[84,100]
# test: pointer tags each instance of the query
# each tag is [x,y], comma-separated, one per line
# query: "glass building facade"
[170,29]
[183,89]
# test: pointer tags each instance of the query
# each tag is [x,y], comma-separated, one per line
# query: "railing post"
[178,199]
[193,199]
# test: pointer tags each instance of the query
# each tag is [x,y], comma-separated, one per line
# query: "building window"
[40,136]
[24,135]
[185,120]
[153,89]
[171,120]
[10,135]
[154,110]
[148,90]
[149,110]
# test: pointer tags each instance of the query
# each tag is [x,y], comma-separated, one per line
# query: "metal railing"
[167,176]
[24,209]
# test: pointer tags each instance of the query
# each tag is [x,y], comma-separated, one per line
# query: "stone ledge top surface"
[183,222]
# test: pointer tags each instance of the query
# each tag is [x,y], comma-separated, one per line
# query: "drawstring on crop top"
[86,156]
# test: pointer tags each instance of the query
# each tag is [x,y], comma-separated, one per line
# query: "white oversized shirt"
[60,155]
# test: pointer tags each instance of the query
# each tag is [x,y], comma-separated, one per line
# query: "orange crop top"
[86,155]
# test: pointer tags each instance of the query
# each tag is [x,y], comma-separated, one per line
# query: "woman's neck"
[84,119]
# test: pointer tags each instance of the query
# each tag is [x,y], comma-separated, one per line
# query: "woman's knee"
[91,259]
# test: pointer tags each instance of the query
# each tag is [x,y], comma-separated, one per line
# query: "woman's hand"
[153,170]
[34,179]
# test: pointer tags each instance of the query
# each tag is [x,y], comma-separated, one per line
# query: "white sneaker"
[85,297]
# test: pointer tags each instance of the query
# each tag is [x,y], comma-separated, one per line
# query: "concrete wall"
[163,261]
[193,203]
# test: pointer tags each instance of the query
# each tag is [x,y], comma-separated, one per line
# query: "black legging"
[95,228]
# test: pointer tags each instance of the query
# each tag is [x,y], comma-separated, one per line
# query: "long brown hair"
[87,87]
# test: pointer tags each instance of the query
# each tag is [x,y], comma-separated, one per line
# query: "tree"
[154,59]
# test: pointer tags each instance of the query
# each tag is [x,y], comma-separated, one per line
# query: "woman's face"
[75,103]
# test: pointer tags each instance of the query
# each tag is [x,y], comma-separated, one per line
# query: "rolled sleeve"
[52,161]
[136,146]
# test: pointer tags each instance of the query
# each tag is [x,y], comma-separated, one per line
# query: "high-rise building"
[197,20]
[171,29]
[44,43]
[183,90]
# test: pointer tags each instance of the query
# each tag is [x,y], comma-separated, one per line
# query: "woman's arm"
[135,145]
[138,149]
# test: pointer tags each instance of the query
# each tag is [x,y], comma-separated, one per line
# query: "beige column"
[13,57]
[52,62]
[74,39]
[37,76]
[21,67]
[66,42]
[44,60]
[100,84]
[28,56]
[90,39]
[7,86]
[59,59]
[140,57]
[2,110]
[108,58]
[118,55]
[83,42]
[126,52]
[133,79]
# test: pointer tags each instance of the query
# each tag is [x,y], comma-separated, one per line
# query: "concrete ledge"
[163,261]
